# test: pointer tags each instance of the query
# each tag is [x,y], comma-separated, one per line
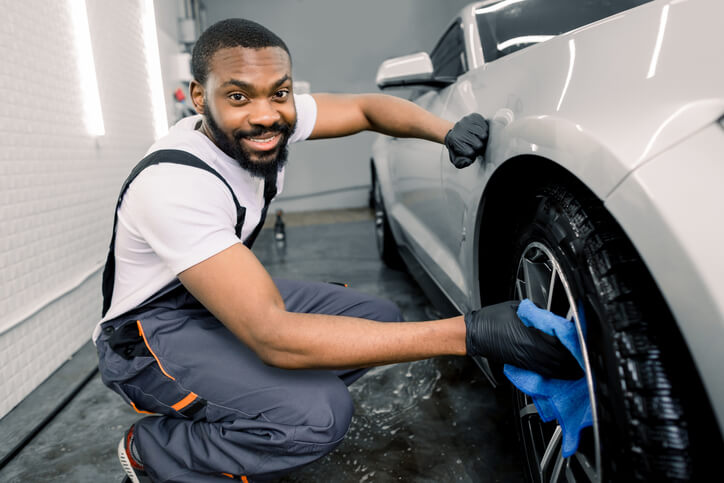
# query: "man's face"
[248,106]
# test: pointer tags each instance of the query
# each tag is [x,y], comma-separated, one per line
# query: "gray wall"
[336,46]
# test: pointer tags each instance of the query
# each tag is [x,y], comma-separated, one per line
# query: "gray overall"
[216,411]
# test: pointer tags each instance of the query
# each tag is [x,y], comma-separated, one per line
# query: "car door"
[420,208]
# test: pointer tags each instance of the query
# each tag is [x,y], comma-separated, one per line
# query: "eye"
[281,94]
[237,97]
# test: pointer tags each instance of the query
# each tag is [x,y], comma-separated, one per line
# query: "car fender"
[560,141]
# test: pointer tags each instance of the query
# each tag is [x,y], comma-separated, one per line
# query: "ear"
[196,91]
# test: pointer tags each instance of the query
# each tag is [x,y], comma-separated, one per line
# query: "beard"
[270,163]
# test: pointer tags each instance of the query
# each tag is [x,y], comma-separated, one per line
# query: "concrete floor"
[429,421]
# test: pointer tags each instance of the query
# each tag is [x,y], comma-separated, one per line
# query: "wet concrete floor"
[437,420]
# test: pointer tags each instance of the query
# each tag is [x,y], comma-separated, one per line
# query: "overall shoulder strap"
[173,156]
[270,191]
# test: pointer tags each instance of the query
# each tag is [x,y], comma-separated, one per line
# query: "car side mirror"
[409,70]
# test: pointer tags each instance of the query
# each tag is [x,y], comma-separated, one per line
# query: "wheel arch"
[521,174]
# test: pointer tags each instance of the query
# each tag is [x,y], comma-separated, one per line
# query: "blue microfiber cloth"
[563,400]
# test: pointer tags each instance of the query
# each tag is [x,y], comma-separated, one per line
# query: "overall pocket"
[130,367]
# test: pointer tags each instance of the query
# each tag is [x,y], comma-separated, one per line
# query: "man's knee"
[328,411]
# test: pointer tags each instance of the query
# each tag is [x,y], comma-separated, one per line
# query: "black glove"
[496,332]
[467,140]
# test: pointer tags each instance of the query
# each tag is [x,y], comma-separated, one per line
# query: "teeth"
[264,140]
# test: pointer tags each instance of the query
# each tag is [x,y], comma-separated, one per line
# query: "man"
[248,374]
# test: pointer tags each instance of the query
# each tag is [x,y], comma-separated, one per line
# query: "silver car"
[599,198]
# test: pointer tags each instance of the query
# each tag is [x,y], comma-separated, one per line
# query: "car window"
[448,56]
[511,25]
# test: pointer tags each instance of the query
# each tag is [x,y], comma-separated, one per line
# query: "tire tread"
[657,435]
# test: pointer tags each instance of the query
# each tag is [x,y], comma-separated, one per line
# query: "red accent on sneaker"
[129,436]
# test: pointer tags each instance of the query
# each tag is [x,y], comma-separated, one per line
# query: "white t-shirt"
[174,216]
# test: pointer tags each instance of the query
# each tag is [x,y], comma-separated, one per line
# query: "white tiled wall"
[58,184]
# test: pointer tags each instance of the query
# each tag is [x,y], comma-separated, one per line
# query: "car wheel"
[571,258]
[386,246]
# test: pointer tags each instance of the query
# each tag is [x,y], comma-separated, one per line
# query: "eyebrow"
[250,87]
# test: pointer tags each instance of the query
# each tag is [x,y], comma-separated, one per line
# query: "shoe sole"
[125,463]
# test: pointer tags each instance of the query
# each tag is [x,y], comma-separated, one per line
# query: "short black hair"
[232,32]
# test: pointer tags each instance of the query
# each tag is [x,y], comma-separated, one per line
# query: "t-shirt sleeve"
[184,214]
[306,117]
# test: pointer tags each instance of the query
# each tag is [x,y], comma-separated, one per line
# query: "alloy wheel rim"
[540,278]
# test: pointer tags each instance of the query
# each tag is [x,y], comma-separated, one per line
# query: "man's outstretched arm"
[345,114]
[342,115]
[236,288]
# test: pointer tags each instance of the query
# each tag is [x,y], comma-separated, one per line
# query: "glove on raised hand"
[467,139]
[496,332]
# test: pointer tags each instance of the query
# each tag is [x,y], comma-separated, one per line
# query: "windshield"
[511,25]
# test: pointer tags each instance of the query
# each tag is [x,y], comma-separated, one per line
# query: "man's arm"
[239,292]
[342,115]
[236,288]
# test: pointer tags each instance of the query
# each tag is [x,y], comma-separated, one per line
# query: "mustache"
[276,128]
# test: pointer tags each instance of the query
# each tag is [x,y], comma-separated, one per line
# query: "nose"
[263,113]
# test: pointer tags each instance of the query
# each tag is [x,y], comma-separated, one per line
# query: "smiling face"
[248,106]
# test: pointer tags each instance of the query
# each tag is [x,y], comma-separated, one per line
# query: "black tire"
[386,246]
[642,431]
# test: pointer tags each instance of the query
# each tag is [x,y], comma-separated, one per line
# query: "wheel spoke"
[558,467]
[528,410]
[526,277]
[569,474]
[569,315]
[518,289]
[551,286]
[550,449]
[535,275]
[586,467]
